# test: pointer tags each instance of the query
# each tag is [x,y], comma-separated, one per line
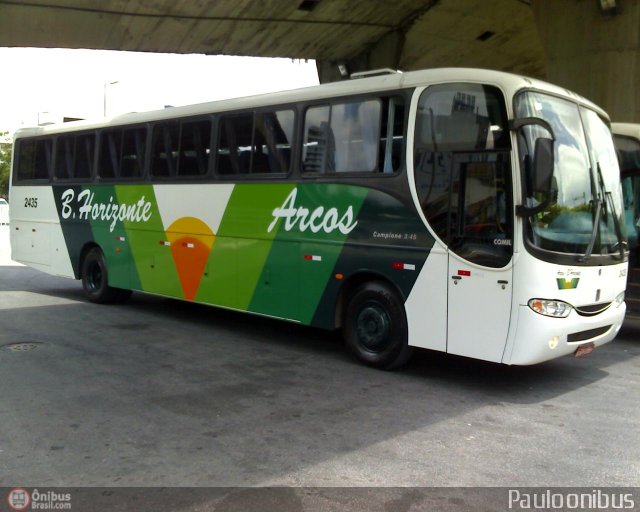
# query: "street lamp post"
[104,95]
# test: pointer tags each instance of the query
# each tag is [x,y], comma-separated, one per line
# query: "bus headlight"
[619,299]
[554,308]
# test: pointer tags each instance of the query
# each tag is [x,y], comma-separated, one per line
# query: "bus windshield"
[584,186]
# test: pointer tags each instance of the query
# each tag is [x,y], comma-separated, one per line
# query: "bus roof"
[628,129]
[508,82]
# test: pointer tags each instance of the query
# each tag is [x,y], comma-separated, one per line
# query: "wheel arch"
[352,283]
[83,254]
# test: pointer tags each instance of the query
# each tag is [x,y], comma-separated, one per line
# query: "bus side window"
[74,156]
[195,148]
[84,153]
[628,150]
[318,140]
[133,152]
[34,159]
[631,200]
[164,149]
[64,151]
[272,141]
[344,138]
[391,135]
[356,128]
[234,144]
[109,155]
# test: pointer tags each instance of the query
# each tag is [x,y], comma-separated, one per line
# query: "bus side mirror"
[543,166]
[539,174]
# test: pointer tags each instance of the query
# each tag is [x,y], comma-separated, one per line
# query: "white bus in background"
[627,140]
[468,211]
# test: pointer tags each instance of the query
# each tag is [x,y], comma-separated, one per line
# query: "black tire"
[375,326]
[95,280]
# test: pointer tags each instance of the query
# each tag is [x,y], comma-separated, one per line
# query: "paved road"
[158,392]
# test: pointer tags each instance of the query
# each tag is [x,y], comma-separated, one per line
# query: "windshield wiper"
[603,200]
[594,234]
[622,244]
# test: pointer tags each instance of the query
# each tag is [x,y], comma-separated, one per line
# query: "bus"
[626,137]
[467,211]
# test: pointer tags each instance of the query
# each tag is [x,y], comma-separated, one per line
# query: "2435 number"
[30,202]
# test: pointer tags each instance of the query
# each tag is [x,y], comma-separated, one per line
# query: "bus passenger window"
[84,153]
[318,140]
[356,128]
[34,158]
[109,155]
[272,140]
[391,135]
[255,143]
[65,148]
[164,152]
[234,144]
[342,138]
[195,148]
[133,151]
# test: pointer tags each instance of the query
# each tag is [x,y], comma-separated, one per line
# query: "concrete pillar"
[594,52]
[385,53]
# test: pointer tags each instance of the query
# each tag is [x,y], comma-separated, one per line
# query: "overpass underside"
[588,46]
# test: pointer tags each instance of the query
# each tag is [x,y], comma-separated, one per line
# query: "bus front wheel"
[375,326]
[95,282]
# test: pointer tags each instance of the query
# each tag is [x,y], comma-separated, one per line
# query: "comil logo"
[18,499]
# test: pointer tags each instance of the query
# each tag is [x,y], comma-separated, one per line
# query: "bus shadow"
[511,384]
[518,384]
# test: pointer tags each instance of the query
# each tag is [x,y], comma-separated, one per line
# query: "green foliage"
[5,165]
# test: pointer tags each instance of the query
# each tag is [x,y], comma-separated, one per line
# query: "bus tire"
[375,326]
[95,280]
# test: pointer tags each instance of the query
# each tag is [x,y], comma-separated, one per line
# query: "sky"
[47,84]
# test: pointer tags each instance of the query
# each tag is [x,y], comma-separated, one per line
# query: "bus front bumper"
[541,338]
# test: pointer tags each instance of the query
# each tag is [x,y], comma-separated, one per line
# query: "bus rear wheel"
[375,326]
[95,281]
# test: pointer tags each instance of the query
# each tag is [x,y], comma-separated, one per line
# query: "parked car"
[4,212]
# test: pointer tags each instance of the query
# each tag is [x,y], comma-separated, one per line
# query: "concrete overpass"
[591,47]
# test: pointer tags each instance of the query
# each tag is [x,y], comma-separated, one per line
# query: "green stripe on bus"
[154,269]
[242,245]
[306,248]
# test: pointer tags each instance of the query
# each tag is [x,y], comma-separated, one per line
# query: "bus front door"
[480,252]
[479,310]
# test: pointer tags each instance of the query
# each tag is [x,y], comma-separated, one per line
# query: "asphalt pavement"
[158,392]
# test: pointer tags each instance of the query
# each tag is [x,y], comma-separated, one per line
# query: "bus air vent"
[587,335]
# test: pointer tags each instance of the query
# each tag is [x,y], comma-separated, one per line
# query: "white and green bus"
[467,211]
